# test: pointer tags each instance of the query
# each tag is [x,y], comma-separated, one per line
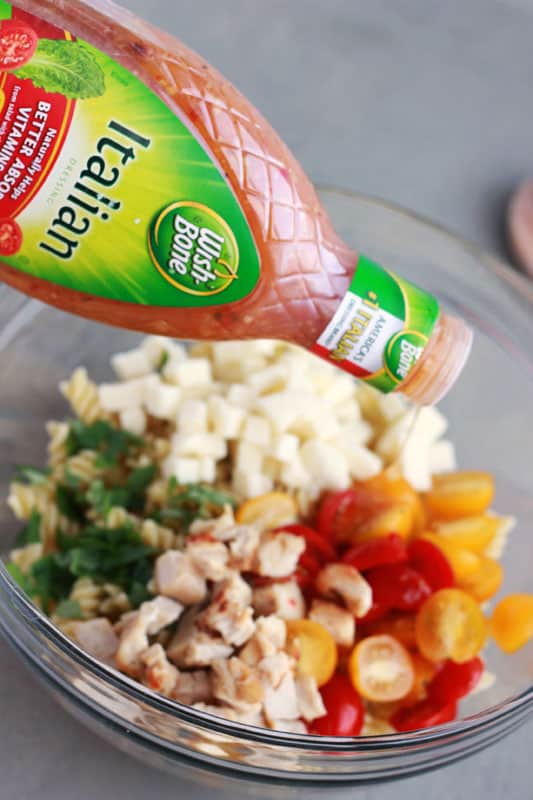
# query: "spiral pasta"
[83,466]
[25,557]
[157,536]
[57,444]
[88,595]
[114,601]
[117,517]
[82,395]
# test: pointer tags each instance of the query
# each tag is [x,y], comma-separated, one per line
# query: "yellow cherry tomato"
[268,511]
[381,669]
[399,626]
[463,562]
[471,533]
[450,624]
[313,647]
[459,494]
[485,581]
[511,624]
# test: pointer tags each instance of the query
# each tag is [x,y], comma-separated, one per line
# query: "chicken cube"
[274,668]
[243,548]
[96,637]
[230,614]
[281,702]
[346,582]
[191,647]
[278,554]
[159,674]
[151,617]
[269,637]
[209,558]
[193,687]
[176,576]
[236,685]
[285,600]
[338,621]
[310,701]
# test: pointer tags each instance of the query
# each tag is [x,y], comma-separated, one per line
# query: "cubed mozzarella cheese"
[225,419]
[192,416]
[185,470]
[240,395]
[270,379]
[191,373]
[200,445]
[326,464]
[442,457]
[120,396]
[285,447]
[132,364]
[133,420]
[208,470]
[248,457]
[161,399]
[251,484]
[256,430]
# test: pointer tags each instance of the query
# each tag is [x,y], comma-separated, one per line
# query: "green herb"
[138,593]
[52,579]
[24,581]
[163,361]
[71,503]
[109,442]
[69,609]
[193,501]
[130,496]
[31,533]
[32,475]
[65,67]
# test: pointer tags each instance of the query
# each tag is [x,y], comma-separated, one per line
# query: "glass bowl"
[491,422]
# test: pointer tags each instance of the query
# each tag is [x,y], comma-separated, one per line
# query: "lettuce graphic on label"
[65,67]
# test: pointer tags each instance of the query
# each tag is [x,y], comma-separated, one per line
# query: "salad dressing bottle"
[139,188]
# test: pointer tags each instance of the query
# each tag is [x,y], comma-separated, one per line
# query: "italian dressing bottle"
[139,188]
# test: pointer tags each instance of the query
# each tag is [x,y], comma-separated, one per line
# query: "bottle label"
[381,327]
[103,189]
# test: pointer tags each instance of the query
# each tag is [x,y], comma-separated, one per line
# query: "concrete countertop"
[425,103]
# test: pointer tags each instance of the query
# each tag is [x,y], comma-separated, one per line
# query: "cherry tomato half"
[18,43]
[313,539]
[376,552]
[425,714]
[432,564]
[10,237]
[381,669]
[332,504]
[453,681]
[345,712]
[450,625]
[398,586]
[313,647]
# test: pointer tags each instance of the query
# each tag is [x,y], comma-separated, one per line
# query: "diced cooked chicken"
[310,700]
[216,527]
[177,577]
[193,687]
[236,684]
[346,582]
[278,554]
[288,725]
[269,637]
[218,711]
[284,599]
[281,702]
[230,614]
[159,674]
[274,668]
[338,621]
[243,548]
[96,637]
[209,558]
[151,617]
[191,647]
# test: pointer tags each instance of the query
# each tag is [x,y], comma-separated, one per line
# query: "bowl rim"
[252,734]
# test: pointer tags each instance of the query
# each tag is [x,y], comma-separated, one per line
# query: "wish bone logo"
[194,249]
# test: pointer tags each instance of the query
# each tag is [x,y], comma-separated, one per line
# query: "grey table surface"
[425,103]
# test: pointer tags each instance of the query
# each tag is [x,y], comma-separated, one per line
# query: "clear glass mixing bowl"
[491,416]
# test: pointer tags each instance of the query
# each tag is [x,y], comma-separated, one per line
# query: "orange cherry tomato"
[313,647]
[485,581]
[268,511]
[381,669]
[459,494]
[399,626]
[511,624]
[471,533]
[462,561]
[451,625]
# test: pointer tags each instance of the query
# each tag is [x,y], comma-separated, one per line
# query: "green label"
[103,189]
[381,327]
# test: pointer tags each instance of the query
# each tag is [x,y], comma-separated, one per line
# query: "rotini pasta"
[82,395]
[26,557]
[83,466]
[57,444]
[88,595]
[114,601]
[157,536]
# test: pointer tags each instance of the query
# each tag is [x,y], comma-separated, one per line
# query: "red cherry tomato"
[332,504]
[345,713]
[432,564]
[376,612]
[18,43]
[309,563]
[313,539]
[376,552]
[454,681]
[10,237]
[425,714]
[398,586]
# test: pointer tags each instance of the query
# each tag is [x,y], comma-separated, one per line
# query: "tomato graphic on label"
[10,237]
[18,43]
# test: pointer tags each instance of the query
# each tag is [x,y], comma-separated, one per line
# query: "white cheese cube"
[192,416]
[285,447]
[193,372]
[156,346]
[251,484]
[295,475]
[256,430]
[392,406]
[120,396]
[240,395]
[390,443]
[327,465]
[341,390]
[224,352]
[132,364]
[414,462]
[185,470]
[362,463]
[429,424]
[160,399]
[133,420]
[225,419]
[271,468]
[270,379]
[208,470]
[199,444]
[248,457]
[284,409]
[442,457]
